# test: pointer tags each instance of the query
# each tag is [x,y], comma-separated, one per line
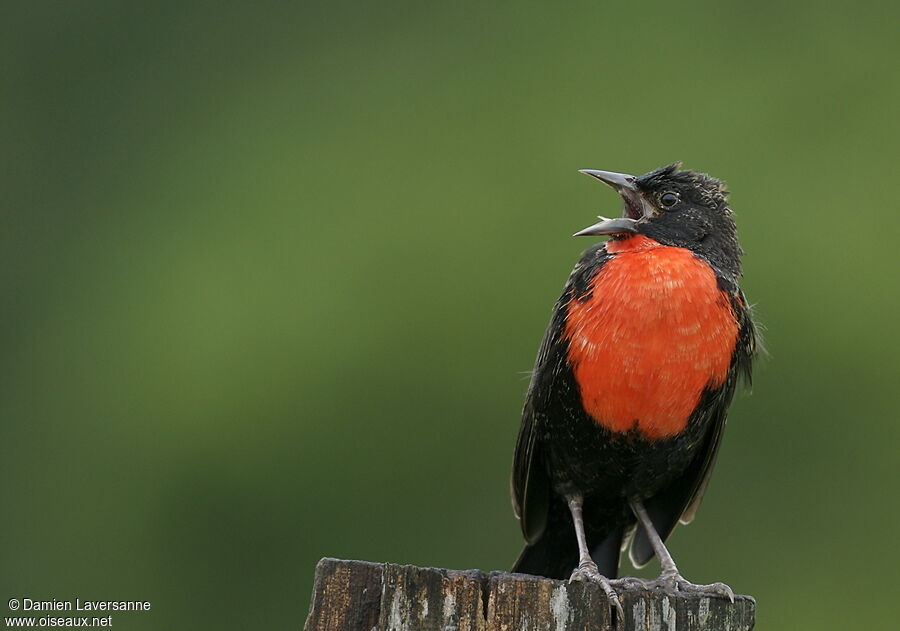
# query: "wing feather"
[530,483]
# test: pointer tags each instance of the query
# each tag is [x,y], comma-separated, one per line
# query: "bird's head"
[674,207]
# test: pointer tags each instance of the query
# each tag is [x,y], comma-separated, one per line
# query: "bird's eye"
[668,199]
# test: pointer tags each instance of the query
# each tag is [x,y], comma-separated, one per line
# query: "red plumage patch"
[656,331]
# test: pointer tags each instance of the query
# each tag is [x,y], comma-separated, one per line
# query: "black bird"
[631,386]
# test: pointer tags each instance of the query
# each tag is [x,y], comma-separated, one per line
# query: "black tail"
[555,554]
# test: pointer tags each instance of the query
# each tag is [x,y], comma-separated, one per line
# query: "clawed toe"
[716,588]
[681,584]
[630,582]
[587,572]
[584,574]
[672,583]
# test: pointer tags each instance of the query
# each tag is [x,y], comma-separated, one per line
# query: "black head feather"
[692,212]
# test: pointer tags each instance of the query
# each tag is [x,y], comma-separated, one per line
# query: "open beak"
[635,209]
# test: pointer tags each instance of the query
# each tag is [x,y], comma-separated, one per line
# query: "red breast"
[656,332]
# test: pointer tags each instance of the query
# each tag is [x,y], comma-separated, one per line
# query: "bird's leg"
[670,578]
[587,569]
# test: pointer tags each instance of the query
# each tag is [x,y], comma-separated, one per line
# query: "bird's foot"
[673,582]
[587,571]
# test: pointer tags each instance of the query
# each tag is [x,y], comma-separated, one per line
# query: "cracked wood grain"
[362,596]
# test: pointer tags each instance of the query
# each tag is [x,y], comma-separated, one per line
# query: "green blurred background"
[272,276]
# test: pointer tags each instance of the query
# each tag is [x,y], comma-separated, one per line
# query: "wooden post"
[361,596]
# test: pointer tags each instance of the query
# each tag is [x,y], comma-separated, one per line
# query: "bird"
[626,407]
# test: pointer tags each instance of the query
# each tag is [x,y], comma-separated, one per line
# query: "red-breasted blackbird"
[632,382]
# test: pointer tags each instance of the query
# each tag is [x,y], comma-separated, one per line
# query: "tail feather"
[606,554]
[555,553]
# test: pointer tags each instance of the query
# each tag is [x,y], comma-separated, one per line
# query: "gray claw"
[672,583]
[676,582]
[589,572]
[719,588]
[629,582]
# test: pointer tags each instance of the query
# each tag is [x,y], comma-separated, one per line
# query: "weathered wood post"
[361,596]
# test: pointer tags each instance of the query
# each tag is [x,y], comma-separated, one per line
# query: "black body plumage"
[562,450]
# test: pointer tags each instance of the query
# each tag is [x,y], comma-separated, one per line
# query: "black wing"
[530,484]
[680,500]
